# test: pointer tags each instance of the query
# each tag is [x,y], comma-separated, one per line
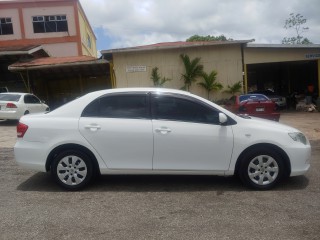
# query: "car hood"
[255,122]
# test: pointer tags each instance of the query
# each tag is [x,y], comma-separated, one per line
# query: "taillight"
[11,105]
[21,130]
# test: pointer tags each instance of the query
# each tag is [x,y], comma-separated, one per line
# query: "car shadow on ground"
[8,122]
[43,182]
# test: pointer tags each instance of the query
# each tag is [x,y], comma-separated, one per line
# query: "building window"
[88,41]
[6,26]
[44,24]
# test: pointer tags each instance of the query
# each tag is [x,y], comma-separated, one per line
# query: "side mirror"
[223,118]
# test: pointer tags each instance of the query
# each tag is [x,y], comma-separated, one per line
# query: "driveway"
[159,207]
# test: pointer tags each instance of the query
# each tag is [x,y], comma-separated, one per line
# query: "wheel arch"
[269,146]
[71,146]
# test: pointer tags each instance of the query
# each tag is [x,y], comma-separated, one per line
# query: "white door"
[33,104]
[187,136]
[120,129]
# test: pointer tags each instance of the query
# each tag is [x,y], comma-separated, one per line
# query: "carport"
[286,69]
[59,80]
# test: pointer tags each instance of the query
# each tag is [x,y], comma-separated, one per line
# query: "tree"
[209,82]
[158,81]
[193,70]
[296,21]
[197,38]
[235,88]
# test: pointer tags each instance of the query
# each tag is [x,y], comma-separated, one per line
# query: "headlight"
[298,137]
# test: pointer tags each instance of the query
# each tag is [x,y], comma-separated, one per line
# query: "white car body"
[155,146]
[14,105]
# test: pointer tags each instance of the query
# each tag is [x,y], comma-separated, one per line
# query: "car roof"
[143,89]
[14,93]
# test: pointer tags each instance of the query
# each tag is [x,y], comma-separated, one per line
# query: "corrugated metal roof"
[49,62]
[254,45]
[22,50]
[173,45]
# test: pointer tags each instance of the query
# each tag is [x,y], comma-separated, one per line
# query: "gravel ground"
[159,207]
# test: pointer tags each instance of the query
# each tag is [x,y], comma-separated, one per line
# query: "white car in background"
[14,105]
[157,131]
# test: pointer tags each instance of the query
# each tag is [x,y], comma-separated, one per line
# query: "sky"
[128,23]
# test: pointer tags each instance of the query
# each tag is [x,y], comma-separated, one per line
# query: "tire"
[261,169]
[72,169]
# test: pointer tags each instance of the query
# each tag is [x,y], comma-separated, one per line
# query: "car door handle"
[163,130]
[92,127]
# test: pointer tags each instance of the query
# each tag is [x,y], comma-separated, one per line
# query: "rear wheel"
[72,169]
[261,169]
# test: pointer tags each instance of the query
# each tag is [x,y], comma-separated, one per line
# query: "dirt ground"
[159,207]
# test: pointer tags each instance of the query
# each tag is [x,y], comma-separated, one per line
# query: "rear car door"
[33,104]
[188,135]
[119,127]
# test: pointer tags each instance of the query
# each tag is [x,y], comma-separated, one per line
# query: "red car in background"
[256,105]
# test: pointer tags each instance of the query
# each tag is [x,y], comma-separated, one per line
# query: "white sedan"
[14,105]
[157,131]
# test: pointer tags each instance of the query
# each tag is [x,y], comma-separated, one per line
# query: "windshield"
[10,97]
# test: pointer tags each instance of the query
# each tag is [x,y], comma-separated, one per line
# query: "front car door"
[119,127]
[188,136]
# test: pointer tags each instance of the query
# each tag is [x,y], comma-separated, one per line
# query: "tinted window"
[118,106]
[10,97]
[168,107]
[30,99]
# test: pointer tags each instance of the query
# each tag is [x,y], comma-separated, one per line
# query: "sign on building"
[130,69]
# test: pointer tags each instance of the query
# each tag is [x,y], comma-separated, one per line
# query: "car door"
[119,127]
[188,136]
[33,104]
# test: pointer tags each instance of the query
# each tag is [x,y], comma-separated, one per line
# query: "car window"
[10,97]
[118,106]
[30,99]
[253,97]
[167,107]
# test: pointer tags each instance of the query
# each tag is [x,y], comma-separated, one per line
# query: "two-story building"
[60,26]
[49,48]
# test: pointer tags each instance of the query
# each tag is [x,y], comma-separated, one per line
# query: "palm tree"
[210,83]
[193,70]
[235,88]
[156,78]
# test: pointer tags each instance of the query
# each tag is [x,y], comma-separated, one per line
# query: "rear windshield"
[255,97]
[10,97]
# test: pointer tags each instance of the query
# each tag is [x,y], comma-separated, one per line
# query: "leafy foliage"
[296,21]
[158,81]
[209,82]
[193,70]
[235,88]
[197,38]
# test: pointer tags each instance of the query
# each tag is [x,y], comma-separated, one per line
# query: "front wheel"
[261,169]
[72,169]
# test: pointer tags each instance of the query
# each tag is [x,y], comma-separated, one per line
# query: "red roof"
[172,45]
[46,61]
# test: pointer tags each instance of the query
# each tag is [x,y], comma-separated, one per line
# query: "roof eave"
[57,65]
[154,48]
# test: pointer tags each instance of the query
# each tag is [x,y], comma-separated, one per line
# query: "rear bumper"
[10,115]
[30,155]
